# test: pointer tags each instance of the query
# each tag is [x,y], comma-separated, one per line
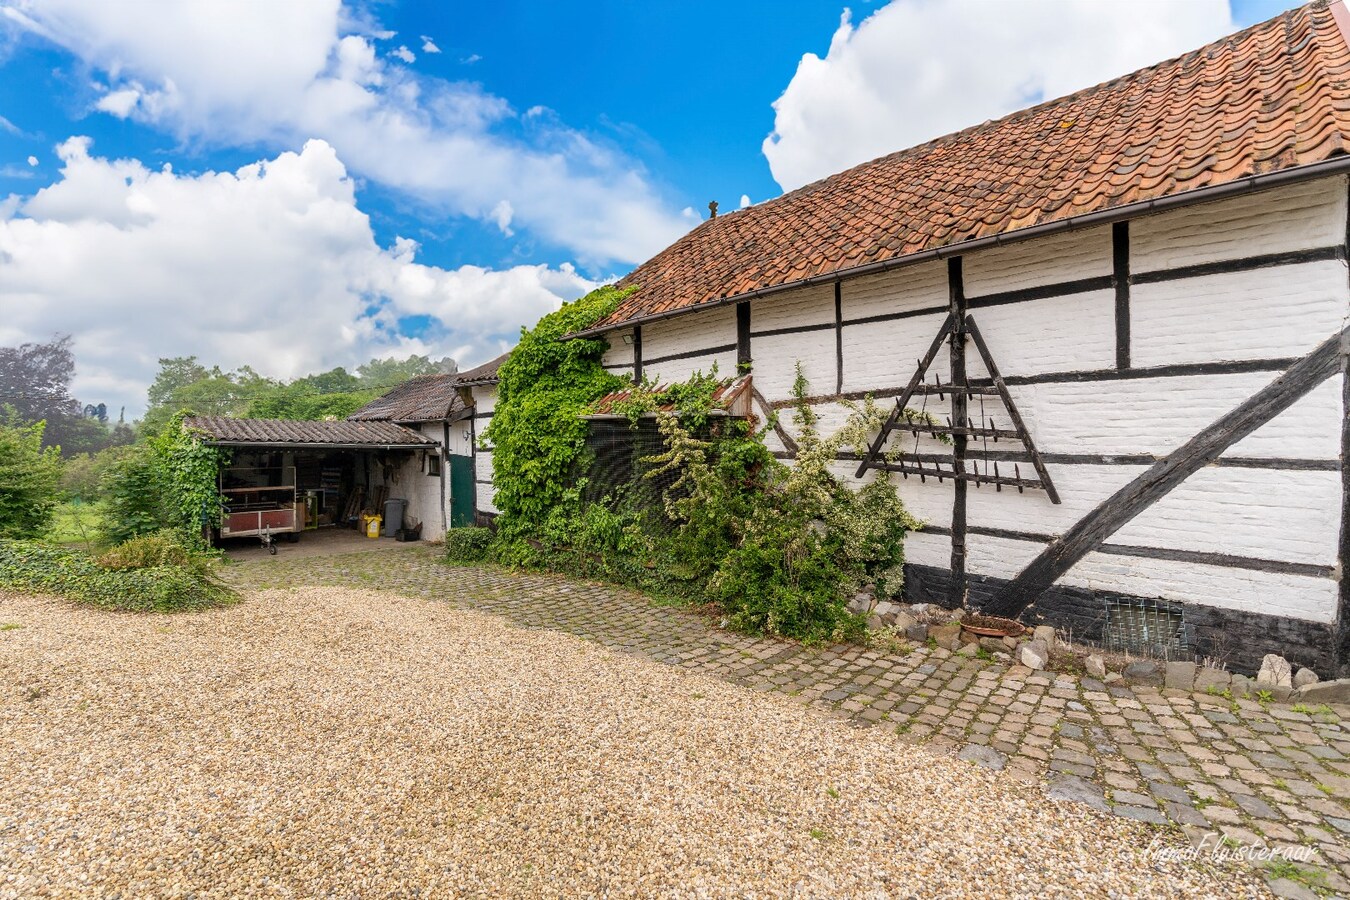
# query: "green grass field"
[76,524]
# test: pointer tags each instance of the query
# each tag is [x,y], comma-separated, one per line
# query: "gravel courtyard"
[344,742]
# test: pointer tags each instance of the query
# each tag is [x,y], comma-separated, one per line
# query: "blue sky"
[393,177]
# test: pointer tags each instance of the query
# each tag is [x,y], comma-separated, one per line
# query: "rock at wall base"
[1305,677]
[1143,671]
[1337,691]
[1211,681]
[1180,676]
[1035,655]
[1275,673]
[1095,666]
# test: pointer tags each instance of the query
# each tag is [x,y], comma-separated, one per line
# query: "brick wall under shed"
[1256,538]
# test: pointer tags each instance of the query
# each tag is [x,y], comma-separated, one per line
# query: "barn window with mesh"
[1151,628]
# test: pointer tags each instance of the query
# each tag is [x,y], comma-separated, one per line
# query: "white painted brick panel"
[776,357]
[925,549]
[999,557]
[1271,313]
[1157,415]
[484,399]
[1074,333]
[812,305]
[483,473]
[1081,489]
[1297,217]
[1048,260]
[677,370]
[884,354]
[682,334]
[1292,516]
[1274,594]
[619,353]
[900,290]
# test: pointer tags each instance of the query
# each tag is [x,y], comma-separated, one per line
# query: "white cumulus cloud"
[404,54]
[251,72]
[429,46]
[918,69]
[273,265]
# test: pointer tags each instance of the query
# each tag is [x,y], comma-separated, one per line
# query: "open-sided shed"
[291,476]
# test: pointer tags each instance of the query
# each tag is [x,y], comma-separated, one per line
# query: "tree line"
[53,447]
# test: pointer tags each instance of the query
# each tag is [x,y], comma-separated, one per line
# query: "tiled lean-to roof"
[1272,97]
[423,398]
[275,432]
[484,374]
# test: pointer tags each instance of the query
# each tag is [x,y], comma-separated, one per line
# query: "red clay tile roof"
[1271,97]
[422,398]
[732,397]
[273,432]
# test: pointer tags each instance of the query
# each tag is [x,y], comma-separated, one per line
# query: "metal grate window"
[1152,628]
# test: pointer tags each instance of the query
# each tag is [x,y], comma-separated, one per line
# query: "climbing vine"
[779,548]
[188,468]
[546,384]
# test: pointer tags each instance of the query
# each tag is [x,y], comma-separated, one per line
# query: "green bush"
[779,548]
[135,496]
[147,551]
[32,566]
[467,546]
[29,481]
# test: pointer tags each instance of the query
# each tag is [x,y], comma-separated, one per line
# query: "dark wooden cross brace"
[1090,532]
[959,427]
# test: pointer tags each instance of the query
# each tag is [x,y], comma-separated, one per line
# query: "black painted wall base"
[1239,639]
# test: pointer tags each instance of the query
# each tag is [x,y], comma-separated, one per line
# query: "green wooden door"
[461,491]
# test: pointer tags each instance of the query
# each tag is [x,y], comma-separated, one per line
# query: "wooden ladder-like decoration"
[978,465]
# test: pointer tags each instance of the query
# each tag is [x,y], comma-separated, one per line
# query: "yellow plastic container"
[372,525]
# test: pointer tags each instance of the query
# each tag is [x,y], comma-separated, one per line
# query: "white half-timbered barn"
[1156,268]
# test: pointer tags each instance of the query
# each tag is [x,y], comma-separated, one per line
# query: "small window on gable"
[433,464]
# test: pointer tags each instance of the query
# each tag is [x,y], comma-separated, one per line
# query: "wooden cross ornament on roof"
[964,463]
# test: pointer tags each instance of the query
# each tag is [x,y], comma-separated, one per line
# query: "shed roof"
[1270,98]
[230,432]
[484,374]
[422,398]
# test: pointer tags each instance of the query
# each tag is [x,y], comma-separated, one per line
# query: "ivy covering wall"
[778,548]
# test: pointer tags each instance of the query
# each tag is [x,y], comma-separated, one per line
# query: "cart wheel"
[272,549]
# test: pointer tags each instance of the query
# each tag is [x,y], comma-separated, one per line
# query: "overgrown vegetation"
[29,477]
[536,432]
[777,548]
[153,574]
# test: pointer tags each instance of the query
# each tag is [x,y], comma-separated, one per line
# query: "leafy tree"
[35,383]
[35,380]
[29,476]
[183,383]
[383,374]
[134,487]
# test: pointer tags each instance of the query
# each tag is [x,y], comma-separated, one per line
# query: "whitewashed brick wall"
[1283,311]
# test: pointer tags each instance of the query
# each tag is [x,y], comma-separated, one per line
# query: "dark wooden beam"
[1019,426]
[1090,532]
[956,594]
[742,335]
[839,337]
[637,353]
[1120,274]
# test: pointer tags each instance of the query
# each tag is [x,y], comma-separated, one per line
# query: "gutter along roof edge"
[1336,165]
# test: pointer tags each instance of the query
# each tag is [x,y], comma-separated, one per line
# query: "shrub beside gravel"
[467,545]
[168,582]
